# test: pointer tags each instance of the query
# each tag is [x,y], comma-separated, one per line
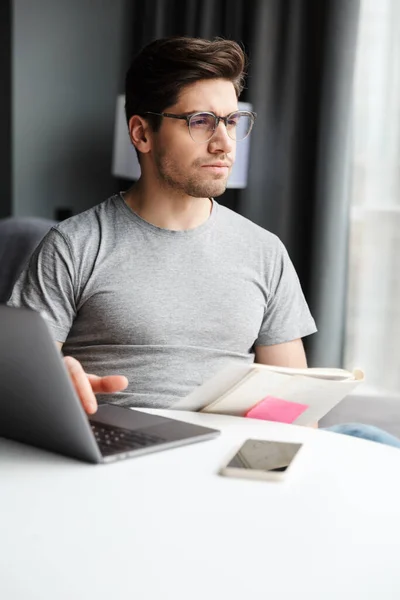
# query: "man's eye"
[233,122]
[199,122]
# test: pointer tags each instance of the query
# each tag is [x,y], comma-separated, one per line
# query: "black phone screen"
[261,455]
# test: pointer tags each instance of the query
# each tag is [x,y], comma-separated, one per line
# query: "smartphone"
[260,459]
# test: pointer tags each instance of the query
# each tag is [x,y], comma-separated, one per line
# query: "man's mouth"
[218,164]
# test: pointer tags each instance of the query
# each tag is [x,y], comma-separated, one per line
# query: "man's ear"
[139,134]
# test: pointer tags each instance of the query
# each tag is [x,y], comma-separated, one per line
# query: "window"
[373,319]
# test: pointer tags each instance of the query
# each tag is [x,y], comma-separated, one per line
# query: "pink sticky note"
[276,409]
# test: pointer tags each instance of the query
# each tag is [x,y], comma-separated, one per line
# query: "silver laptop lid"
[38,404]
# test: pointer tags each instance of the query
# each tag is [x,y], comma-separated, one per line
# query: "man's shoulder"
[88,222]
[245,228]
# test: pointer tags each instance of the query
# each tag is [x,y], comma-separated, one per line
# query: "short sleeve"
[47,285]
[287,316]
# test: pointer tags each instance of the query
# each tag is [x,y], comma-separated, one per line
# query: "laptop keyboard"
[112,440]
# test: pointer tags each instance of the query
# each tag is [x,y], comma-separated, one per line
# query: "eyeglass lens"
[202,126]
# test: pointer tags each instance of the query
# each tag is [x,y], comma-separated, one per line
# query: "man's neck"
[166,210]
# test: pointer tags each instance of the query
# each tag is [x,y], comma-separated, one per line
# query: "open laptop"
[39,405]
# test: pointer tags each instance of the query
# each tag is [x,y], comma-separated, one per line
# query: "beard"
[195,184]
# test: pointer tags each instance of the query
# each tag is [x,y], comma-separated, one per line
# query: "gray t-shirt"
[168,309]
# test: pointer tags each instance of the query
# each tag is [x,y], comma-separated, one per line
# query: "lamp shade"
[126,165]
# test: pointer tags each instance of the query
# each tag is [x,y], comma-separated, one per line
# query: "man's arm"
[289,354]
[87,384]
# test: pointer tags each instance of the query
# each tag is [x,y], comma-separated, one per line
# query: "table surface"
[167,525]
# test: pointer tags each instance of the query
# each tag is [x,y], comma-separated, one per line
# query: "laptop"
[39,405]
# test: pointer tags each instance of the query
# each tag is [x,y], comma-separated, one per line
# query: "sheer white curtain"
[373,319]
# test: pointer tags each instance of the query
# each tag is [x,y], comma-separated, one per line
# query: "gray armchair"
[19,236]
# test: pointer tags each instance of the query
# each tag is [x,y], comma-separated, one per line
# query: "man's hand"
[87,385]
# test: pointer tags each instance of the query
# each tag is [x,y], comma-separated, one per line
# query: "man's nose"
[220,141]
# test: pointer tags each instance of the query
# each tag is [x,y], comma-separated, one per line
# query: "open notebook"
[263,391]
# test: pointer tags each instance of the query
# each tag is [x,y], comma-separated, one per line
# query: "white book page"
[237,388]
[248,392]
[320,395]
[332,374]
[213,388]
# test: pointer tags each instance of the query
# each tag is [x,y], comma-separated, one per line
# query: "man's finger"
[107,384]
[81,384]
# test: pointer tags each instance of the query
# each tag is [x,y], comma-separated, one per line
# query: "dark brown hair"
[164,67]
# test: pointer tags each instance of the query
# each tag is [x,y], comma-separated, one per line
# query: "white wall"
[67,71]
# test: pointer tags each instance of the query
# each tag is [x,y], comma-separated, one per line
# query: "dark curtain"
[302,55]
[5,108]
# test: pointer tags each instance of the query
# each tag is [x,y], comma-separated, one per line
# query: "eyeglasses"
[202,125]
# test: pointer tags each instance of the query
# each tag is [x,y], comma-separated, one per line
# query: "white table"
[166,526]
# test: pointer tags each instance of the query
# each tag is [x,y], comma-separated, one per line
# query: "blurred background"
[324,164]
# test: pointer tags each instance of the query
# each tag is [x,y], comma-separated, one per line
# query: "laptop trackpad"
[125,417]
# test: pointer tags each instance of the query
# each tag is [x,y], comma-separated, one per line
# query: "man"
[161,284]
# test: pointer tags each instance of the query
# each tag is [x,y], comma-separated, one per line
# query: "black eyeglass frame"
[225,120]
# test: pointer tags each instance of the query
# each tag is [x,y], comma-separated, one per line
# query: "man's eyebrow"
[192,112]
